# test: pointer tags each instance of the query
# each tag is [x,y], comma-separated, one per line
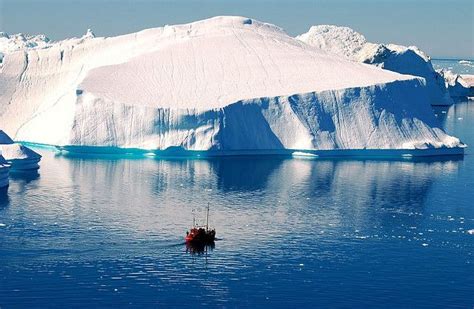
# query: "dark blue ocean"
[103,231]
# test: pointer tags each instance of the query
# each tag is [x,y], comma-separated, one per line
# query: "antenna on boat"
[207,217]
[194,218]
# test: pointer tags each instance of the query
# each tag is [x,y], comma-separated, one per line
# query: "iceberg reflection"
[131,200]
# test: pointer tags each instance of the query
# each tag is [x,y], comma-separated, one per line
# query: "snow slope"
[225,83]
[350,44]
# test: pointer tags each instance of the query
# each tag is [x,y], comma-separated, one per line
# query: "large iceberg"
[221,85]
[352,45]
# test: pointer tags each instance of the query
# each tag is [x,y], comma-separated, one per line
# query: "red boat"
[201,234]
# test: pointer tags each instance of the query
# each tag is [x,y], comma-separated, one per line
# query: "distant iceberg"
[459,86]
[344,41]
[225,85]
[467,63]
[16,42]
[18,156]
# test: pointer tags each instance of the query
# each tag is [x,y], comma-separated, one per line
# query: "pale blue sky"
[442,28]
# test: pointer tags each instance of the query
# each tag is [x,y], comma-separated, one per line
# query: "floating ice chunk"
[16,155]
[466,63]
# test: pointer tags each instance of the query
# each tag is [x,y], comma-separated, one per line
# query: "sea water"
[457,66]
[108,231]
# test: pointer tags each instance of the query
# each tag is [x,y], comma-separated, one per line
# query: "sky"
[442,28]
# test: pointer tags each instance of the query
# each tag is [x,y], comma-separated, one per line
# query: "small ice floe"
[470,232]
[465,62]
[18,156]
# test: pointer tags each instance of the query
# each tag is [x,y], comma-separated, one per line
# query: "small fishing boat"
[201,235]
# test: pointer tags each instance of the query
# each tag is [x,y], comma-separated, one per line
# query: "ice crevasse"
[225,84]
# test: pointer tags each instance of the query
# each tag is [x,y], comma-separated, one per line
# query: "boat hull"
[200,235]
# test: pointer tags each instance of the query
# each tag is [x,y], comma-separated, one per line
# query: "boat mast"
[194,219]
[207,218]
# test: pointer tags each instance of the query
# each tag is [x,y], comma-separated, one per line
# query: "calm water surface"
[105,231]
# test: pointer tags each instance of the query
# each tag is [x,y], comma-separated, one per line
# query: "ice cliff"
[221,84]
[352,45]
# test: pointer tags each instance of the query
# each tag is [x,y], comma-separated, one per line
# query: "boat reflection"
[199,248]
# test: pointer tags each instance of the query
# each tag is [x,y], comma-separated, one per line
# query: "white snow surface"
[225,83]
[346,42]
[337,40]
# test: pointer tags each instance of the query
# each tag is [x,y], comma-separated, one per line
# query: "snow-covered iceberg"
[19,157]
[352,45]
[459,86]
[222,85]
[468,79]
